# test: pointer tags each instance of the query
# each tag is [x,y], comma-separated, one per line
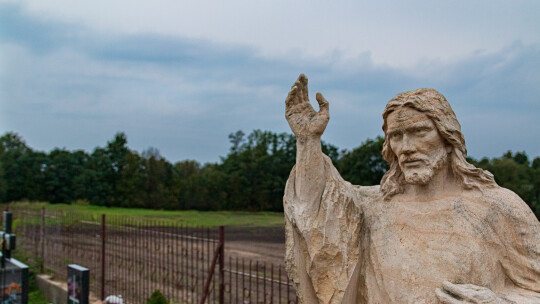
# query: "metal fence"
[133,257]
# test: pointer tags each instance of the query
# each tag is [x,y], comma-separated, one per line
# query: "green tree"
[62,176]
[364,165]
[159,181]
[98,175]
[257,169]
[132,183]
[117,152]
[22,169]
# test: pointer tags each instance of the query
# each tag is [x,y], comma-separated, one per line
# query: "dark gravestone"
[13,274]
[78,284]
[14,282]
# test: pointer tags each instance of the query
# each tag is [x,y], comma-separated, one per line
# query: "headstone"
[78,284]
[13,274]
[14,282]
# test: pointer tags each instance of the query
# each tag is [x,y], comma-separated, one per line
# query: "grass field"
[185,217]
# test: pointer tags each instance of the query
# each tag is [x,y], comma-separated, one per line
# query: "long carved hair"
[437,108]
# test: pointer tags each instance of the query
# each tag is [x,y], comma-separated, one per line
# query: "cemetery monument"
[436,230]
[78,284]
[14,275]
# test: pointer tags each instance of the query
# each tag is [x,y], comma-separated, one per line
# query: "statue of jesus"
[436,230]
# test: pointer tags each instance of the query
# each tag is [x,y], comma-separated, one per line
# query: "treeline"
[250,177]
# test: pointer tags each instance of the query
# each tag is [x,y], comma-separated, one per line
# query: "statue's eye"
[420,131]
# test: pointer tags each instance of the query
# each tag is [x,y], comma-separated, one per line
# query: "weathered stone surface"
[437,230]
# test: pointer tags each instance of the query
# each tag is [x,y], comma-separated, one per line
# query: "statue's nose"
[407,145]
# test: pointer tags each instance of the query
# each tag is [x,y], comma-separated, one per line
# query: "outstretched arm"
[308,126]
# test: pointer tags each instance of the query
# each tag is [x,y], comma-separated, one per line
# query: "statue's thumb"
[323,103]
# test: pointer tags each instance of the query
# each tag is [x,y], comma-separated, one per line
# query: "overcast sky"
[181,75]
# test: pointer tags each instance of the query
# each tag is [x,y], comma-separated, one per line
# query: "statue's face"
[420,149]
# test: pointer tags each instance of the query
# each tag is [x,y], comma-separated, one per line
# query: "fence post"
[42,240]
[103,237]
[221,265]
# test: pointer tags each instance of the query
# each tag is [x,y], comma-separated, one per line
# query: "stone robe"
[351,246]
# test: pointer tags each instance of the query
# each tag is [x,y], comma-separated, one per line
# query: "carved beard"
[424,174]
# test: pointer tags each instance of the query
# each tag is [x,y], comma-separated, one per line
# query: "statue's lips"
[413,163]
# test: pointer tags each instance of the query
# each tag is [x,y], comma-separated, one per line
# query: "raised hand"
[304,121]
[467,293]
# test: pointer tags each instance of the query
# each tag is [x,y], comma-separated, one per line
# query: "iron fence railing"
[134,257]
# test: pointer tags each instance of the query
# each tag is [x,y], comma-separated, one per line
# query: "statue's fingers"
[477,288]
[457,289]
[292,98]
[446,298]
[304,86]
[323,104]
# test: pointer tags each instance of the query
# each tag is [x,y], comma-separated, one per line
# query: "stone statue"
[437,229]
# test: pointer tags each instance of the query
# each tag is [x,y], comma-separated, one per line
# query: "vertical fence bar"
[133,272]
[146,250]
[109,260]
[117,266]
[208,250]
[123,255]
[257,280]
[279,289]
[138,285]
[185,263]
[164,249]
[272,283]
[221,264]
[130,248]
[177,264]
[128,256]
[35,235]
[161,239]
[236,281]
[183,260]
[204,248]
[42,240]
[197,270]
[288,284]
[154,257]
[215,294]
[249,284]
[170,261]
[191,264]
[243,282]
[230,279]
[103,228]
[172,280]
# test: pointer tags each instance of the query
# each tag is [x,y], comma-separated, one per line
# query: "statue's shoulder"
[366,195]
[373,192]
[507,202]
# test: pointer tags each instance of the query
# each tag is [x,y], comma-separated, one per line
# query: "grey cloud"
[63,85]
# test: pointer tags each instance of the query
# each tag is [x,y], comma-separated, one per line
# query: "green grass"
[37,297]
[164,217]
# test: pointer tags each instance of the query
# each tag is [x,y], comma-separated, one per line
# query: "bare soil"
[266,244]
